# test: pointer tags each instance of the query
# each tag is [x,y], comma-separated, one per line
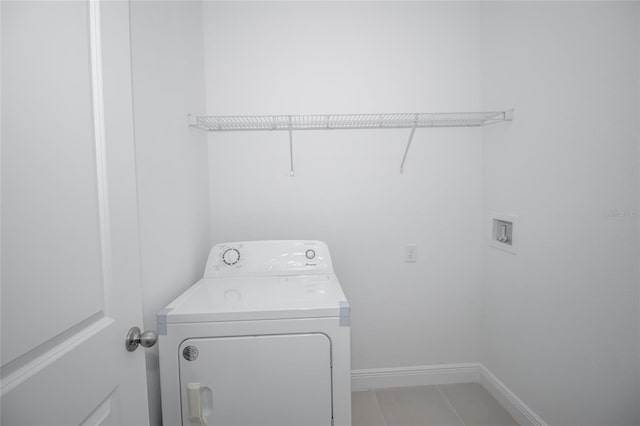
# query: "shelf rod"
[406,150]
[290,149]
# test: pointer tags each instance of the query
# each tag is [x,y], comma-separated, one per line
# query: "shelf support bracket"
[290,148]
[406,150]
[191,120]
[508,115]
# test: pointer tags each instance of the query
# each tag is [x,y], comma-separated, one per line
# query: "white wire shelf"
[350,121]
[234,123]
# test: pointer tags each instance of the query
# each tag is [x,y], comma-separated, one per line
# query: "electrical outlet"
[411,253]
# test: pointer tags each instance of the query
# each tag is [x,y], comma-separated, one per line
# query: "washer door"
[269,380]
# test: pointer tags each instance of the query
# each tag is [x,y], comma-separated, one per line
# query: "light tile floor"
[461,404]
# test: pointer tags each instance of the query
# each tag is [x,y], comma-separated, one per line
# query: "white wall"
[306,58]
[561,316]
[168,82]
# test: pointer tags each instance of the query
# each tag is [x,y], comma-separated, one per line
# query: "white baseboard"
[514,405]
[424,375]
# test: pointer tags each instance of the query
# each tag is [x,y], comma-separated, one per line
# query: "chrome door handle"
[135,337]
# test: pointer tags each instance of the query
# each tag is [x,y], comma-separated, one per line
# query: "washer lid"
[271,297]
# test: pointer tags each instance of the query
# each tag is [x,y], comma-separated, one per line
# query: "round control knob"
[231,256]
[310,254]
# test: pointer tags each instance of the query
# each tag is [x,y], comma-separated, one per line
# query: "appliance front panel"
[266,380]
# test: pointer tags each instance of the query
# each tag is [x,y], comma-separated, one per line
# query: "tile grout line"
[450,405]
[375,396]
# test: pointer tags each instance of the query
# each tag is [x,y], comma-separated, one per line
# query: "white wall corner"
[425,375]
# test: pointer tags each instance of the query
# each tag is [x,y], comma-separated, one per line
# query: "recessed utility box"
[502,232]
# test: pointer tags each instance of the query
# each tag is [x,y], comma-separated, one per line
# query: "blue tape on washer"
[345,315]
[161,320]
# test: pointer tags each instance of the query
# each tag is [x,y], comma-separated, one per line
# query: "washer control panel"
[268,258]
[231,256]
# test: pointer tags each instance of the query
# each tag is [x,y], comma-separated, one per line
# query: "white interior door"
[70,261]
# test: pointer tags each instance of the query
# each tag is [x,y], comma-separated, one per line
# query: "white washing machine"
[262,339]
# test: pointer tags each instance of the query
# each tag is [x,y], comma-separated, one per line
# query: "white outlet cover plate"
[411,253]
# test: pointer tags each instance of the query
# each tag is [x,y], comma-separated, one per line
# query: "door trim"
[100,146]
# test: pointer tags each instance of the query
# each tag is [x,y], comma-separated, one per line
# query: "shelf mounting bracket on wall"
[406,150]
[290,149]
[349,121]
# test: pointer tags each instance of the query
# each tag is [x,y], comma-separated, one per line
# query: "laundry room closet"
[561,313]
[501,249]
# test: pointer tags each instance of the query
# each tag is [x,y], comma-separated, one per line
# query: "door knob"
[135,337]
